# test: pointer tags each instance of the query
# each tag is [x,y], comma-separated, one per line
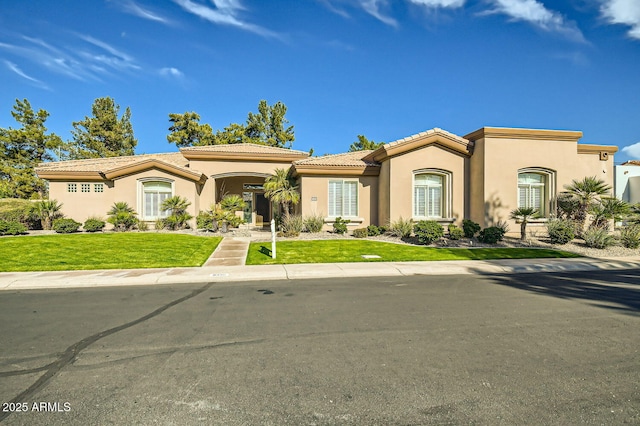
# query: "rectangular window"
[72,187]
[531,191]
[427,195]
[154,194]
[343,198]
[85,187]
[98,187]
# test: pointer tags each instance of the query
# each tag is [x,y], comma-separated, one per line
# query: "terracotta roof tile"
[631,163]
[104,164]
[349,159]
[245,148]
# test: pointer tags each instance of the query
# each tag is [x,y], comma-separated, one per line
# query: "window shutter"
[335,198]
[435,201]
[351,198]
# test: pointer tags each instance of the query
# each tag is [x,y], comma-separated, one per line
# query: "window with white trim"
[343,198]
[534,189]
[153,195]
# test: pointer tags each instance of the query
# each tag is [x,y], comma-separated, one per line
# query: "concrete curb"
[111,278]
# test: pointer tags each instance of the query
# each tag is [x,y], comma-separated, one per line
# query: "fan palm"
[281,188]
[47,211]
[524,215]
[609,208]
[586,191]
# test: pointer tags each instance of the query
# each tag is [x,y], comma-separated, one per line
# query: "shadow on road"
[617,290]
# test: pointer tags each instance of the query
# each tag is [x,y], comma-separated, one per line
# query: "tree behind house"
[364,144]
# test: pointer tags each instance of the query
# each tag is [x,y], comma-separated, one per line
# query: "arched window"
[154,192]
[535,189]
[431,194]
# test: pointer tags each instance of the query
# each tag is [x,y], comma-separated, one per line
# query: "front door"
[262,209]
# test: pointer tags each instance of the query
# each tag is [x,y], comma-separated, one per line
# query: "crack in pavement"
[71,353]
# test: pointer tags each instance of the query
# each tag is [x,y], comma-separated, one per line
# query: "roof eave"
[316,170]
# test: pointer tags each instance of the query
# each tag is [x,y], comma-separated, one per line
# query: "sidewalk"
[107,278]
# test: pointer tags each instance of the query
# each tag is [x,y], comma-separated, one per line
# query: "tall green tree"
[281,188]
[22,149]
[186,130]
[268,126]
[104,134]
[586,191]
[233,133]
[364,144]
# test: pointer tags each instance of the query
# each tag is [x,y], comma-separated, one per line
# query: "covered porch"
[258,210]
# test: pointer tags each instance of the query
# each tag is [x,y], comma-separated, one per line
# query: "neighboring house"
[433,175]
[627,181]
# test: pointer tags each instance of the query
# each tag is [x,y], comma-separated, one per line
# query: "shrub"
[122,217]
[65,226]
[17,210]
[428,231]
[630,236]
[178,217]
[598,238]
[373,230]
[313,223]
[143,226]
[360,233]
[491,235]
[455,232]
[292,225]
[93,225]
[561,231]
[340,226]
[47,211]
[401,228]
[158,224]
[470,228]
[205,221]
[12,228]
[383,229]
[232,203]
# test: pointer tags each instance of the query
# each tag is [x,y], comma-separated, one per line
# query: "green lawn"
[103,251]
[330,251]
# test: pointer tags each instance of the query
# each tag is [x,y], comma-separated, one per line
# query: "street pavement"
[221,273]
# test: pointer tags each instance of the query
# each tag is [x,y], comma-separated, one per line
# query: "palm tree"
[524,215]
[120,207]
[281,188]
[47,211]
[609,208]
[178,216]
[232,203]
[586,191]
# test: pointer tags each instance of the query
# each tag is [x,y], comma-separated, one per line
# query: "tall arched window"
[431,194]
[153,194]
[535,188]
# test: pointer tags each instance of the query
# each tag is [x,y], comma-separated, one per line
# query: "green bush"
[428,231]
[561,231]
[383,229]
[598,238]
[178,217]
[470,228]
[455,232]
[630,236]
[122,217]
[340,225]
[143,226]
[65,226]
[360,233]
[491,235]
[93,225]
[313,223]
[291,225]
[401,228]
[373,230]
[12,228]
[18,210]
[205,221]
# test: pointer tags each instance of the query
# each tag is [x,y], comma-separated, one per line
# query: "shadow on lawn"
[617,290]
[266,251]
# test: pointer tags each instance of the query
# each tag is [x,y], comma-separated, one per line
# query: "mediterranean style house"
[433,175]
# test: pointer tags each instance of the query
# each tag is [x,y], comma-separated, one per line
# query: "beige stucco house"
[432,175]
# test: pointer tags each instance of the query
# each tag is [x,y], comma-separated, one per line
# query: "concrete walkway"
[205,274]
[232,251]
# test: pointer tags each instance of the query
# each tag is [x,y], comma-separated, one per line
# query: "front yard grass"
[339,251]
[104,251]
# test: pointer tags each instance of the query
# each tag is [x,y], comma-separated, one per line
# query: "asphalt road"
[511,349]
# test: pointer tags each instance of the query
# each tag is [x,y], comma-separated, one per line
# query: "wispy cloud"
[439,3]
[372,7]
[632,151]
[86,61]
[535,13]
[624,12]
[334,9]
[135,9]
[224,12]
[16,69]
[171,72]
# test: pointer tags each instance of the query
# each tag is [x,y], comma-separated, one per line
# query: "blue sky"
[383,68]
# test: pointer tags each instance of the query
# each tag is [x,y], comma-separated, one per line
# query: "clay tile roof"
[241,148]
[105,164]
[427,133]
[631,163]
[347,159]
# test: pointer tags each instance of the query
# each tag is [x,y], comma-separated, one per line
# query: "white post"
[273,239]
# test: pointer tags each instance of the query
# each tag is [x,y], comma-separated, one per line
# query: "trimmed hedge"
[12,228]
[93,225]
[428,231]
[491,235]
[65,226]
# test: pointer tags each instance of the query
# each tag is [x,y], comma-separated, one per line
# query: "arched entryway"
[250,186]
